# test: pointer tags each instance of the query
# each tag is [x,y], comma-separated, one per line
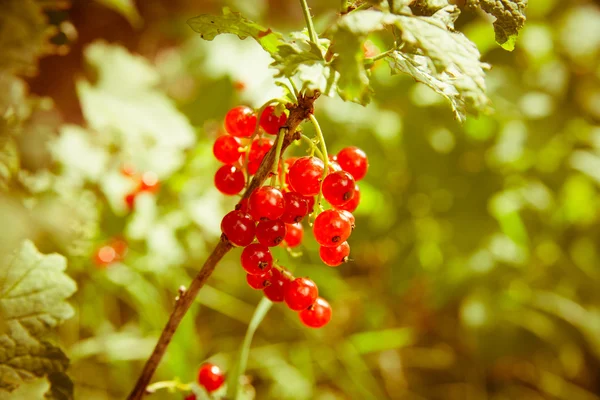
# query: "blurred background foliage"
[475,259]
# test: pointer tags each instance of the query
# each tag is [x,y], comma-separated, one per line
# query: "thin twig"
[312,33]
[298,113]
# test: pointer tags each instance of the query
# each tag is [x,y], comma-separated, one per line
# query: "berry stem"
[172,385]
[233,389]
[325,156]
[309,23]
[274,169]
[312,145]
[298,113]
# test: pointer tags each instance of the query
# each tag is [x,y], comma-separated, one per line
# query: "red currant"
[149,182]
[242,205]
[239,228]
[229,180]
[334,256]
[305,175]
[240,121]
[296,207]
[130,200]
[278,282]
[211,377]
[301,293]
[258,149]
[257,259]
[258,282]
[354,161]
[351,205]
[105,255]
[331,228]
[227,149]
[190,397]
[310,200]
[120,247]
[270,233]
[266,202]
[294,234]
[287,165]
[338,188]
[270,122]
[349,216]
[316,315]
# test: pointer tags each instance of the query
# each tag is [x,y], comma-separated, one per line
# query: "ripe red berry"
[278,282]
[305,175]
[130,200]
[211,377]
[227,149]
[316,315]
[242,205]
[351,205]
[105,255]
[149,182]
[258,149]
[266,203]
[190,397]
[287,165]
[301,293]
[311,203]
[334,256]
[354,161]
[338,188]
[271,233]
[294,234]
[270,122]
[296,207]
[256,259]
[258,282]
[229,180]
[349,216]
[239,228]
[120,247]
[331,228]
[240,121]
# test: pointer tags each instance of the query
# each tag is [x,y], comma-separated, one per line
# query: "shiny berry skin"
[270,122]
[227,149]
[353,203]
[258,149]
[287,165]
[229,180]
[294,234]
[149,182]
[349,216]
[331,228]
[130,200]
[270,233]
[105,255]
[338,188]
[310,200]
[278,282]
[240,121]
[239,228]
[353,160]
[300,293]
[316,315]
[256,259]
[258,282]
[211,377]
[305,175]
[242,205]
[296,207]
[266,202]
[334,167]
[334,256]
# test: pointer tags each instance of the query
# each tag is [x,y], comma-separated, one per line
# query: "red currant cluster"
[210,377]
[145,182]
[272,215]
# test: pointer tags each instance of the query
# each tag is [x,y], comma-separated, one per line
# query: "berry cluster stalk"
[298,113]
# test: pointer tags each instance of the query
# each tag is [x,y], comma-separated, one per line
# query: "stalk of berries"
[272,215]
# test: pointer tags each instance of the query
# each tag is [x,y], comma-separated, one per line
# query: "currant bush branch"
[309,23]
[298,113]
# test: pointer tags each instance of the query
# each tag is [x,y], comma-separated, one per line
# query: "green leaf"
[510,18]
[33,289]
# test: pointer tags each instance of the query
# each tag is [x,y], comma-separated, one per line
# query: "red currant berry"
[334,256]
[349,216]
[270,122]
[242,205]
[305,175]
[229,180]
[120,247]
[211,377]
[105,255]
[331,228]
[275,291]
[287,165]
[338,188]
[316,315]
[354,161]
[334,166]
[149,182]
[301,293]
[240,121]
[310,200]
[294,234]
[190,397]
[258,282]
[351,205]
[296,207]
[266,202]
[271,233]
[227,149]
[257,259]
[239,228]
[130,200]
[259,148]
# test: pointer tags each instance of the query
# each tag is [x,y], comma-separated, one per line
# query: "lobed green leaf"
[510,18]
